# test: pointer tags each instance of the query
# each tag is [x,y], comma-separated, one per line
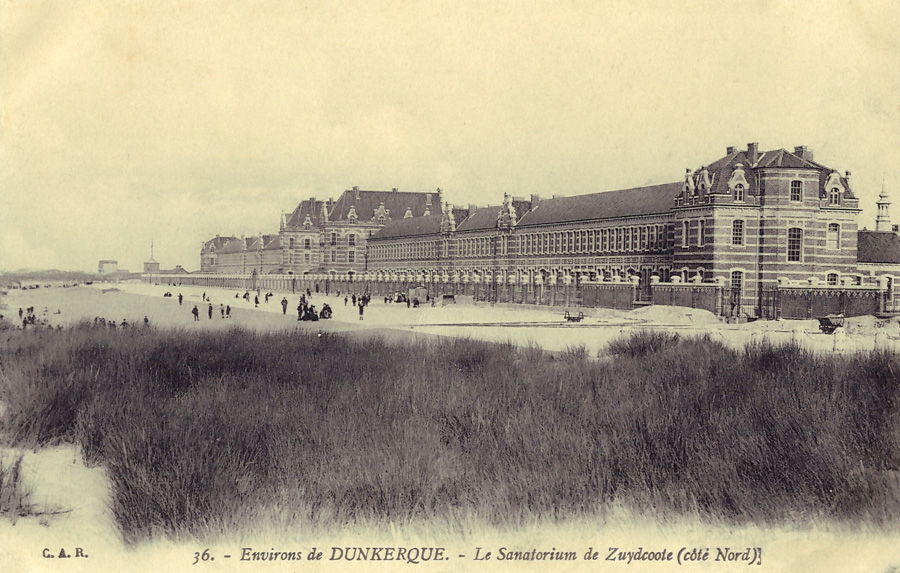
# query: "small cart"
[828,324]
[574,317]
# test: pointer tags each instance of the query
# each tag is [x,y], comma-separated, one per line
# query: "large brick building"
[749,220]
[322,237]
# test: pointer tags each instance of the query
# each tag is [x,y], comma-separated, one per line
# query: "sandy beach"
[72,498]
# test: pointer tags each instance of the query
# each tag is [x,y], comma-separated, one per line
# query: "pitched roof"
[720,170]
[414,226]
[232,246]
[308,207]
[877,247]
[271,242]
[623,203]
[365,204]
[480,219]
[784,158]
[215,244]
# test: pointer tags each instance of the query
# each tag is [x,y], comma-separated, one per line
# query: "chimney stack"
[803,152]
[356,192]
[730,149]
[753,153]
[535,201]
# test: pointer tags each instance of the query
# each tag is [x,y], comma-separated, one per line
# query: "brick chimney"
[356,192]
[753,153]
[730,149]
[535,201]
[803,152]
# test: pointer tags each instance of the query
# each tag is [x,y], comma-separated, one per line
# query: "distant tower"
[151,266]
[883,219]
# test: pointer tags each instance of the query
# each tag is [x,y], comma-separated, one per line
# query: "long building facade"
[749,221]
[751,234]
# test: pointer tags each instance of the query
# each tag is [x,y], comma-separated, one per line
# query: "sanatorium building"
[754,233]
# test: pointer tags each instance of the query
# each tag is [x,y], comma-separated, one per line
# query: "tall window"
[795,244]
[832,279]
[351,257]
[351,239]
[381,219]
[334,238]
[737,233]
[833,238]
[739,192]
[353,219]
[737,282]
[333,256]
[307,244]
[796,190]
[701,227]
[291,245]
[685,230]
[834,196]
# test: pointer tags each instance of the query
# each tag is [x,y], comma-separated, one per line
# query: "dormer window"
[834,188]
[381,219]
[739,192]
[306,226]
[353,219]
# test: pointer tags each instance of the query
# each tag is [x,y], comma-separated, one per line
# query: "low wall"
[781,301]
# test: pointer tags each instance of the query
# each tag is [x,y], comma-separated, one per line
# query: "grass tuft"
[205,432]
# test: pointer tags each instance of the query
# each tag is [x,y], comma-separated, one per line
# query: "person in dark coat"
[179,299]
[210,311]
[284,304]
[196,313]
[361,309]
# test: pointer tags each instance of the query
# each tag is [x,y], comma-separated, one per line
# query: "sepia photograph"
[449,286]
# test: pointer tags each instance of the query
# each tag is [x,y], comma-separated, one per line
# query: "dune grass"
[15,497]
[203,433]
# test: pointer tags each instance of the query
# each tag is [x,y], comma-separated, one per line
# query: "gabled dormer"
[381,215]
[738,184]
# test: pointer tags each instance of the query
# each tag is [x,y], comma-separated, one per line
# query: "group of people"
[306,311]
[224,311]
[28,318]
[100,322]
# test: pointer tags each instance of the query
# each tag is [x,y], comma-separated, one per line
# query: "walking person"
[284,304]
[179,299]
[361,309]
[209,312]
[222,309]
[227,311]
[196,313]
[256,301]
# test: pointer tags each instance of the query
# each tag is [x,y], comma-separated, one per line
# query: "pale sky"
[126,122]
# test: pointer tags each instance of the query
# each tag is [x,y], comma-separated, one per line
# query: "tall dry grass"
[210,432]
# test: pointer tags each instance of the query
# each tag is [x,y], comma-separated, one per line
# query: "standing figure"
[227,311]
[209,312]
[256,301]
[196,313]
[284,304]
[222,309]
[361,308]
[179,299]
